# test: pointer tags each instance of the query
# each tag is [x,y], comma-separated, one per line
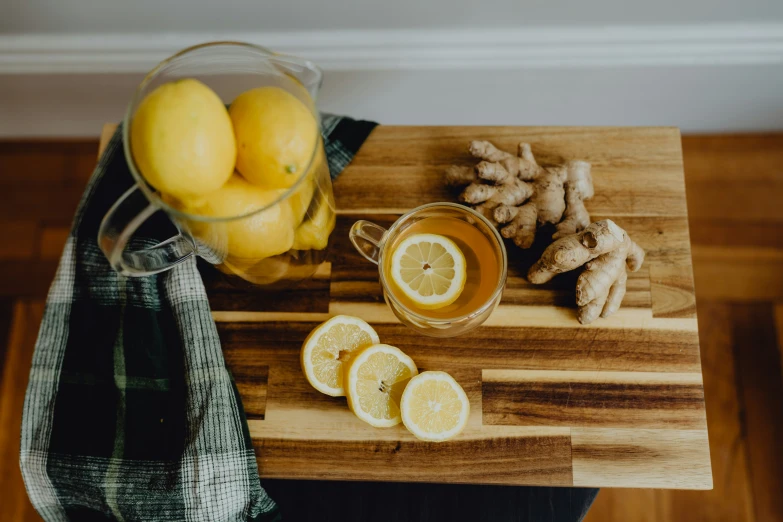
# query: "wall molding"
[706,78]
[419,49]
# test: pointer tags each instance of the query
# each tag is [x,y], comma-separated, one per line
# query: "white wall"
[703,99]
[97,16]
[703,65]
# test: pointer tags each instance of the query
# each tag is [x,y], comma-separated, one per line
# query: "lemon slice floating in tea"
[434,407]
[374,382]
[429,269]
[329,347]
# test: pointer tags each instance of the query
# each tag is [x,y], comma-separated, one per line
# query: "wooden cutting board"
[616,403]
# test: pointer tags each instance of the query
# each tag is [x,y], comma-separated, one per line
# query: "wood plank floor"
[734,184]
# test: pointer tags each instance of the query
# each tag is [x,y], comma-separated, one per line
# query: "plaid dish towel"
[130,412]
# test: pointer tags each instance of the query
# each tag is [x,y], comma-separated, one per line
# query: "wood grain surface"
[752,165]
[27,315]
[617,403]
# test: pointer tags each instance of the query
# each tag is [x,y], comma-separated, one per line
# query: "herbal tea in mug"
[442,267]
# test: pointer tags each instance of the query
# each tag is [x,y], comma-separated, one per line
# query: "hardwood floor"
[734,184]
[26,318]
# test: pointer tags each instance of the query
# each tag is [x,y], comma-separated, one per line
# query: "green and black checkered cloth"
[130,412]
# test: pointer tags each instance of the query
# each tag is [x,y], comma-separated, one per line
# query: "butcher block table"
[618,403]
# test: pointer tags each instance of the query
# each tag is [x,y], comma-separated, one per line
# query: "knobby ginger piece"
[518,195]
[607,252]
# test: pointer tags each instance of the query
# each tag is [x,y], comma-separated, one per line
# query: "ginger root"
[517,195]
[606,250]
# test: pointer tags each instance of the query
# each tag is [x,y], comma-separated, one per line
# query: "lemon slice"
[374,382]
[434,406]
[329,346]
[429,269]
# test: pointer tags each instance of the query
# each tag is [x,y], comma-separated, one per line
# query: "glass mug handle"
[367,237]
[118,226]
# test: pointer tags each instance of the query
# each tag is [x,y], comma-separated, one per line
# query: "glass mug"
[236,245]
[486,262]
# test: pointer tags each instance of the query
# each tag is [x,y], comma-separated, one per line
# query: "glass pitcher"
[235,244]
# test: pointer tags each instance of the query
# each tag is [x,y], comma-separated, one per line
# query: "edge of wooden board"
[607,457]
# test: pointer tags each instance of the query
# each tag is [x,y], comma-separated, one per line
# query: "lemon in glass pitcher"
[182,139]
[258,236]
[276,136]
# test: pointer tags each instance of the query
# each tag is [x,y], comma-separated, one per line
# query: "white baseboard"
[701,78]
[422,49]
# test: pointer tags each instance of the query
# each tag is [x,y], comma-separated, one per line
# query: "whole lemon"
[276,135]
[263,234]
[182,140]
[313,234]
[302,197]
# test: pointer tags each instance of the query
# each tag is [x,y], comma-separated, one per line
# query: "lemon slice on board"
[434,407]
[329,347]
[374,382]
[429,269]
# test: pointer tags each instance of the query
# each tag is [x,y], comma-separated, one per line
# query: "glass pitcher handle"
[118,226]
[367,238]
